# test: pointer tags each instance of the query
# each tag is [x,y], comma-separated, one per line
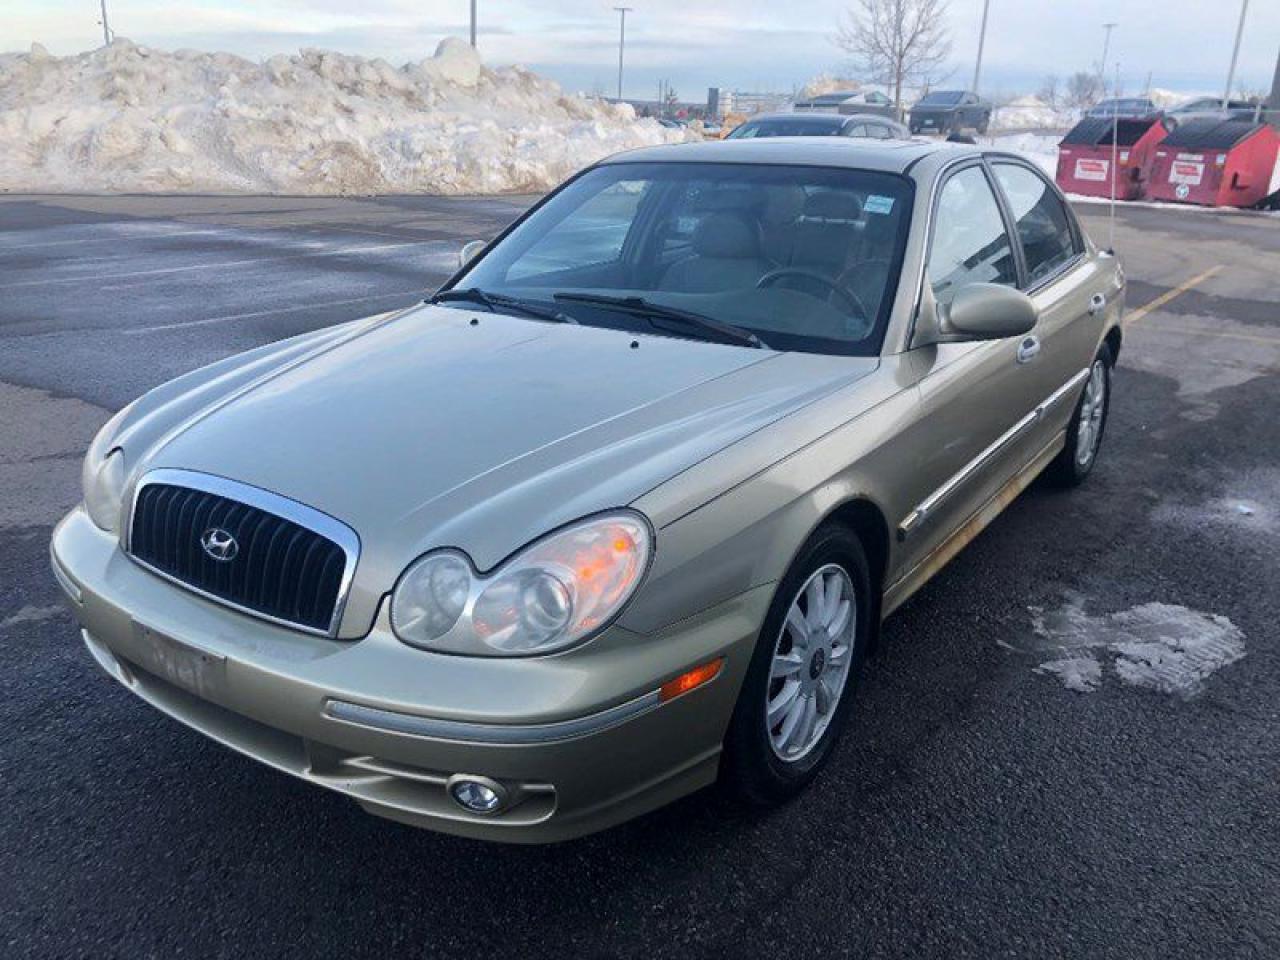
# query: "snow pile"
[128,118]
[1030,113]
[826,83]
[1168,99]
[1040,148]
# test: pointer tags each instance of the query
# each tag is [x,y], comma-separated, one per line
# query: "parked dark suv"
[950,111]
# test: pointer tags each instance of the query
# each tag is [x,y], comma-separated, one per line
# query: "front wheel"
[1084,433]
[798,690]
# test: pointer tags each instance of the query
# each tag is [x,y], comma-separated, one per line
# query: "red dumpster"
[1225,163]
[1086,152]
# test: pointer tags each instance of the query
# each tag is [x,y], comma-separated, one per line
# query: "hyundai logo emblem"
[219,544]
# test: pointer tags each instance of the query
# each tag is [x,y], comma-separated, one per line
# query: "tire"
[754,770]
[984,125]
[1076,461]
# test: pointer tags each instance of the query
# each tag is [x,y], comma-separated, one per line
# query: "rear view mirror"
[987,311]
[470,251]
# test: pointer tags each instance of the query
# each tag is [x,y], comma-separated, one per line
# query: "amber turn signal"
[691,680]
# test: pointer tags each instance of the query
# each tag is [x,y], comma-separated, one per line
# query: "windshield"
[807,258]
[786,127]
[942,98]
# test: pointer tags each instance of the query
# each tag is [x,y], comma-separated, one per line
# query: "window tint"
[970,244]
[595,231]
[1044,227]
[807,257]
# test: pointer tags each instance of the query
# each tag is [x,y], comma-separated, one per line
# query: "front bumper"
[578,740]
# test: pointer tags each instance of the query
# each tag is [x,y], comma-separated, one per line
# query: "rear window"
[942,98]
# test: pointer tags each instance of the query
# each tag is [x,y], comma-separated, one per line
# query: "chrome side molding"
[916,517]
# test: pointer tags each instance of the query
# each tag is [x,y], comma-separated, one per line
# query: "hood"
[427,431]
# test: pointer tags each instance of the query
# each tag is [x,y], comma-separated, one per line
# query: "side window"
[593,233]
[1044,226]
[857,130]
[970,244]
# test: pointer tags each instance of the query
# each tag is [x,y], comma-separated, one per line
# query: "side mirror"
[987,311]
[470,251]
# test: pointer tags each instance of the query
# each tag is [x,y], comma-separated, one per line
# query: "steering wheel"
[851,298]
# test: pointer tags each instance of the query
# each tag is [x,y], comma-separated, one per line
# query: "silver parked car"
[820,125]
[619,512]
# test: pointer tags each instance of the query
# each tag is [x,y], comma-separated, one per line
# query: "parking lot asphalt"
[977,807]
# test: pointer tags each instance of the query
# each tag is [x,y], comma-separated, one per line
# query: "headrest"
[728,236]
[832,205]
[783,203]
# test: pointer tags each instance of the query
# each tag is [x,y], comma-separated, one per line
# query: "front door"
[972,434]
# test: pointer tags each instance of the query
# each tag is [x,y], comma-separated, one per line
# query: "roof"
[820,119]
[889,156]
[1094,131]
[1210,134]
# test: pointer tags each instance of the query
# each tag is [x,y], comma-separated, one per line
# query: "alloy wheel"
[1092,408]
[811,660]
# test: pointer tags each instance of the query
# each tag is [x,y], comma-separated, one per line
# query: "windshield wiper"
[497,301]
[656,311]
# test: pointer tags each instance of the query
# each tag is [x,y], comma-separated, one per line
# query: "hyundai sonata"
[618,512]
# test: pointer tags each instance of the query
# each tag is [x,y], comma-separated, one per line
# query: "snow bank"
[1030,113]
[131,119]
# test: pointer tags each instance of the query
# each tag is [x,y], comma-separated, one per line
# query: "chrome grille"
[245,547]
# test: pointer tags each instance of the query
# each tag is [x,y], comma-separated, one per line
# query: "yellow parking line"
[1192,332]
[1164,298]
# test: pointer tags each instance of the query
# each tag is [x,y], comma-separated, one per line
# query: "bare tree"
[897,42]
[1049,91]
[1083,89]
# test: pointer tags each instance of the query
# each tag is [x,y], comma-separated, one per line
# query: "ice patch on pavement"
[1248,508]
[128,118]
[1159,646]
[1081,674]
[30,614]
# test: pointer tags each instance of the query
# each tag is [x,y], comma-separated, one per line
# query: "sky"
[1185,45]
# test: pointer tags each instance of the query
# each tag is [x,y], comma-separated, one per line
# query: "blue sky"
[744,44]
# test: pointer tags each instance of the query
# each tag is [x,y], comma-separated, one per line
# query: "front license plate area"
[194,670]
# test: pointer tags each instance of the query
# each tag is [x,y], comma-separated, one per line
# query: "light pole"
[1102,67]
[982,36]
[473,24]
[106,30]
[622,41]
[1235,52]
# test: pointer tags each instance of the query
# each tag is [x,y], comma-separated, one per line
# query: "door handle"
[1028,349]
[1097,303]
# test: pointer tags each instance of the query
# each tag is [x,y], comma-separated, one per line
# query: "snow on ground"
[132,119]
[1164,647]
[1031,113]
[1040,148]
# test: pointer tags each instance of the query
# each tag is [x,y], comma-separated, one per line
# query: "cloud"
[730,43]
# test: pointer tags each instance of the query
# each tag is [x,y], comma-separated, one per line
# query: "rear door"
[1068,288]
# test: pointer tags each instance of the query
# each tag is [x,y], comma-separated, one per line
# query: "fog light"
[477,794]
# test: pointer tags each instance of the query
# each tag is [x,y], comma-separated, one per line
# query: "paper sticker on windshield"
[878,204]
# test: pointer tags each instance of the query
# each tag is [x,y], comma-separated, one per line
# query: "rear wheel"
[984,124]
[1084,432]
[799,688]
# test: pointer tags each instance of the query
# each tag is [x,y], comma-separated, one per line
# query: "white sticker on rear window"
[878,204]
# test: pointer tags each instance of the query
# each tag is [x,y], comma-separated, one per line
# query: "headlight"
[549,596]
[104,490]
